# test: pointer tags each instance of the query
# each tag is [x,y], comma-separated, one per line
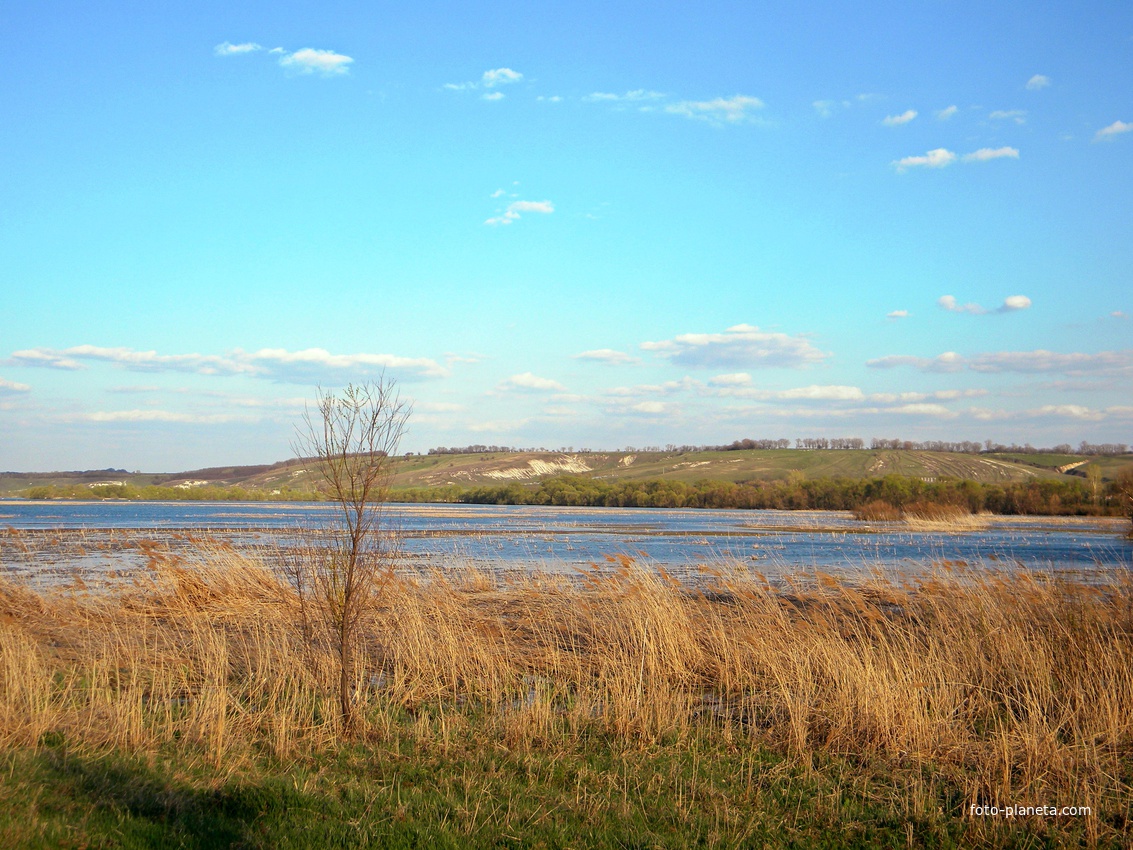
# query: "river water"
[45,541]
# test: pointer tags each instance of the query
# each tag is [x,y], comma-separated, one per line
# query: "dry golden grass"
[1017,686]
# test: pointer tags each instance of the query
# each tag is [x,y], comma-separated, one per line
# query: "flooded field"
[50,541]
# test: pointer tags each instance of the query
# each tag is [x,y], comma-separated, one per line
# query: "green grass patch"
[408,792]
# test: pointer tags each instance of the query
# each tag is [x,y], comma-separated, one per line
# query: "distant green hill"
[474,470]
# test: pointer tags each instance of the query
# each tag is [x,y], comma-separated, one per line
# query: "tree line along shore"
[1048,496]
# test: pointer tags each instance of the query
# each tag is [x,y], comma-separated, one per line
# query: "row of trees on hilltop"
[830,443]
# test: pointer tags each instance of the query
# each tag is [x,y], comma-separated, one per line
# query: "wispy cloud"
[942,157]
[227,48]
[529,382]
[163,416]
[1037,82]
[897,120]
[635,96]
[1019,116]
[1113,130]
[608,355]
[826,108]
[491,79]
[739,346]
[1011,304]
[7,386]
[815,392]
[937,158]
[949,361]
[516,209]
[310,60]
[1029,362]
[732,379]
[737,109]
[1042,361]
[897,314]
[277,364]
[500,77]
[682,385]
[985,154]
[947,112]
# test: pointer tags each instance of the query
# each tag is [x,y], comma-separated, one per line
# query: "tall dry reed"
[1016,686]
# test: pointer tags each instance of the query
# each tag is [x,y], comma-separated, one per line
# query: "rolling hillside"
[468,470]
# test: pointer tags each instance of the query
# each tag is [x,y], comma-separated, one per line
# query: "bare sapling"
[349,441]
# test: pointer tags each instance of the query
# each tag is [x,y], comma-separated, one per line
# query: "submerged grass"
[620,709]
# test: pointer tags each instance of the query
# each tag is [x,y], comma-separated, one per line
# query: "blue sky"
[573,224]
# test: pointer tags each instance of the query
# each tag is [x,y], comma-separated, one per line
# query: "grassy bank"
[622,709]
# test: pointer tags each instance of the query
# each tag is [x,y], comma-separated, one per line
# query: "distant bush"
[935,511]
[877,511]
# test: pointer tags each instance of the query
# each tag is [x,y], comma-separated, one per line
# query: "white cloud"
[1113,130]
[938,158]
[1019,116]
[637,95]
[649,407]
[1119,314]
[552,99]
[1010,304]
[12,387]
[667,388]
[897,120]
[949,303]
[310,60]
[740,345]
[734,379]
[163,416]
[985,154]
[1073,411]
[516,208]
[942,157]
[307,366]
[490,79]
[1037,82]
[608,355]
[1027,362]
[731,110]
[922,409]
[826,108]
[545,207]
[897,314]
[527,381]
[44,358]
[949,361]
[1041,361]
[227,48]
[823,393]
[947,112]
[500,77]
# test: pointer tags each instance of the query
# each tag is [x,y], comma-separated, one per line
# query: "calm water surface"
[53,538]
